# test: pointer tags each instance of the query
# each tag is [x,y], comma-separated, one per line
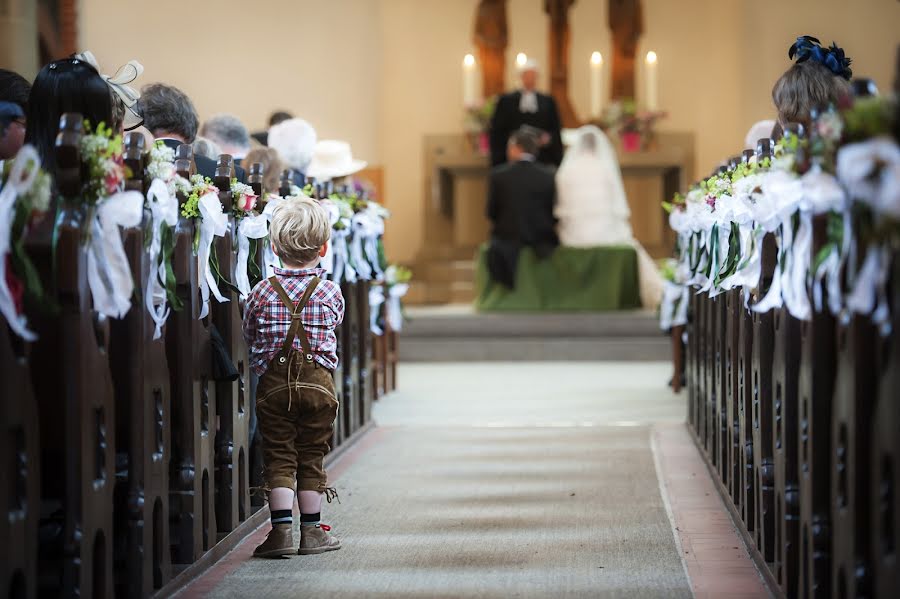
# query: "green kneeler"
[571,280]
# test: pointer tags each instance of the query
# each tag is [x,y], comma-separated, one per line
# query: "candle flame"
[521,59]
[469,60]
[596,58]
[651,57]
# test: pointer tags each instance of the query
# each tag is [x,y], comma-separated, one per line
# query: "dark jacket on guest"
[521,196]
[507,118]
[206,166]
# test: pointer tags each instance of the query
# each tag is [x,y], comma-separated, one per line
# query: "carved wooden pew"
[851,470]
[763,450]
[192,473]
[747,495]
[255,463]
[74,390]
[348,347]
[815,394]
[364,351]
[731,438]
[140,375]
[232,442]
[20,470]
[786,361]
[884,499]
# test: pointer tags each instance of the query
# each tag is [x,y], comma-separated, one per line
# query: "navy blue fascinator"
[807,47]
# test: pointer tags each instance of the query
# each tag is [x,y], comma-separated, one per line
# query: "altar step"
[457,333]
[437,282]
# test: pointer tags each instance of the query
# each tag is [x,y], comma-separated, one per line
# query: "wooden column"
[626,21]
[490,38]
[558,10]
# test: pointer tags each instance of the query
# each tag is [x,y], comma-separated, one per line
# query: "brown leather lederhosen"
[296,407]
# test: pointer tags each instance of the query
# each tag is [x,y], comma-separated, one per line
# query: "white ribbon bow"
[393,309]
[118,83]
[673,309]
[109,274]
[376,299]
[21,178]
[163,208]
[213,223]
[360,227]
[250,227]
[270,260]
[342,269]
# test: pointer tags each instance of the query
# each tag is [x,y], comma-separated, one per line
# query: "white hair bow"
[118,83]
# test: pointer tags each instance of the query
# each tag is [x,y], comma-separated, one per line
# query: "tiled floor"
[717,561]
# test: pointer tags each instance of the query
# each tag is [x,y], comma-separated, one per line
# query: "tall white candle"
[521,59]
[651,81]
[596,85]
[470,81]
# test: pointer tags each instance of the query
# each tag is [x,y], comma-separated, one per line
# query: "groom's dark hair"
[527,138]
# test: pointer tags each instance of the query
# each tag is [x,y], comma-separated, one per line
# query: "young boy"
[289,323]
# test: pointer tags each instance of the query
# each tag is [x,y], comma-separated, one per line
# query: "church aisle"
[495,480]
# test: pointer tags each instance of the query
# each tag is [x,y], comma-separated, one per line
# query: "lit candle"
[650,88]
[596,84]
[470,81]
[521,59]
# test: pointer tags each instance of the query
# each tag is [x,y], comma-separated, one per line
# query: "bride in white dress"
[592,209]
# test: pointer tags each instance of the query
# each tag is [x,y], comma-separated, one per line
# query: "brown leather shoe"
[280,542]
[315,539]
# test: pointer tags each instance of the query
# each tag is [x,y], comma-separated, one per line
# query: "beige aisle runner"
[500,480]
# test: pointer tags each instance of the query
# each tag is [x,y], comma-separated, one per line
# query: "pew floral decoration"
[162,204]
[25,191]
[202,205]
[846,173]
[251,228]
[388,293]
[108,207]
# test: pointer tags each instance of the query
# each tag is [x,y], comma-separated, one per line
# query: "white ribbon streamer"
[359,227]
[109,274]
[213,223]
[393,309]
[163,208]
[376,299]
[270,260]
[20,180]
[250,227]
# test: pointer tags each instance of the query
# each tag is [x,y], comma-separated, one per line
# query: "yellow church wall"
[382,74]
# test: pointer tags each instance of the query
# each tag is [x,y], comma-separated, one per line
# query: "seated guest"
[592,208]
[272,167]
[170,116]
[821,76]
[228,132]
[68,85]
[206,147]
[295,142]
[521,195]
[333,161]
[14,90]
[276,117]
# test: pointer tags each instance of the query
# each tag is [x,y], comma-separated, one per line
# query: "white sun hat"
[333,158]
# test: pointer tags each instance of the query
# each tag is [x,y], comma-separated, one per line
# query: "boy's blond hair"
[299,228]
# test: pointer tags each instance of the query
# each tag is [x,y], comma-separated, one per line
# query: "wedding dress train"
[592,210]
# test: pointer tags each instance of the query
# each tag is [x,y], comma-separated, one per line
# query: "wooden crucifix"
[626,21]
[558,11]
[490,39]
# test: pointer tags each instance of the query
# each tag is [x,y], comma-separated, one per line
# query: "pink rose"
[247,202]
[112,183]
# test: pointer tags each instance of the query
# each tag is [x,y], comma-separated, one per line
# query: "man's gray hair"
[226,130]
[527,138]
[167,109]
[295,142]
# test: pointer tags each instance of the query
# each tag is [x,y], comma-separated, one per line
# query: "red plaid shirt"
[266,318]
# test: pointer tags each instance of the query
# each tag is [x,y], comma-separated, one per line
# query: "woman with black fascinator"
[820,77]
[76,85]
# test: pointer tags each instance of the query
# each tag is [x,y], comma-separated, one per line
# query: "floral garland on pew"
[107,207]
[848,169]
[252,228]
[25,192]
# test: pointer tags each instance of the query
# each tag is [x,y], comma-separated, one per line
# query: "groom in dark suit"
[521,196]
[527,107]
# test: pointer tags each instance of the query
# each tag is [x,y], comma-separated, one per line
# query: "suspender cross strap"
[296,329]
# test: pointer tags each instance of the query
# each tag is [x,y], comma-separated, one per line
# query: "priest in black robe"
[527,106]
[520,204]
